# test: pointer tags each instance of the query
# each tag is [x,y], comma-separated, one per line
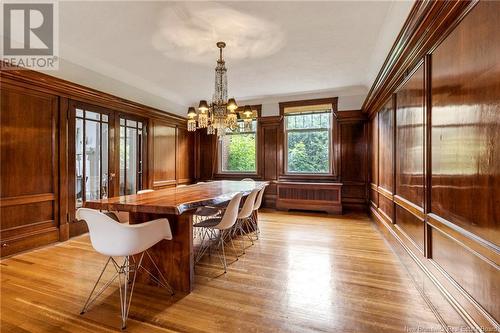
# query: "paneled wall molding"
[460,301]
[434,119]
[26,199]
[409,206]
[427,24]
[475,244]
[385,193]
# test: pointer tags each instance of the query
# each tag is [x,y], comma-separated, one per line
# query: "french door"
[106,154]
[91,168]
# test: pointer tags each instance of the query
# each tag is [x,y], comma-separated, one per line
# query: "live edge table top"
[177,200]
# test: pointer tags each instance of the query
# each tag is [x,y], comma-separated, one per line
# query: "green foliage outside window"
[241,153]
[238,151]
[308,137]
[308,152]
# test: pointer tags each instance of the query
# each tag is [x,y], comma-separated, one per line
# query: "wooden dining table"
[175,257]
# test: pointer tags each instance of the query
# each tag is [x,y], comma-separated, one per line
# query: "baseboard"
[452,306]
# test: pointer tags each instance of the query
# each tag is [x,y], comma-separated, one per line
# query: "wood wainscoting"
[435,154]
[325,197]
[37,194]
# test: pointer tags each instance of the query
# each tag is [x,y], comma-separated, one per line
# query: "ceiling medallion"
[221,114]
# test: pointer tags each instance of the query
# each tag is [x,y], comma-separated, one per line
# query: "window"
[308,139]
[237,150]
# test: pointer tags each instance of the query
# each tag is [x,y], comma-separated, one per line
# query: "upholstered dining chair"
[114,240]
[218,230]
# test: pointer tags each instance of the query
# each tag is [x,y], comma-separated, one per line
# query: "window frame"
[237,174]
[284,174]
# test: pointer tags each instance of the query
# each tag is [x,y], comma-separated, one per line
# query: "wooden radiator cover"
[310,196]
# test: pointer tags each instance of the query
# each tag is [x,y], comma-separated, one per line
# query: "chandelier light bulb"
[191,113]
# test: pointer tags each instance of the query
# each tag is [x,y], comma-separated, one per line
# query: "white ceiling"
[163,54]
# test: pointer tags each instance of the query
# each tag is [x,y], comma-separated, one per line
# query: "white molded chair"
[218,230]
[244,217]
[114,239]
[254,218]
[145,191]
[247,180]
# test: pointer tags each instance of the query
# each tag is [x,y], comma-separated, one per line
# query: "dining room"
[244,166]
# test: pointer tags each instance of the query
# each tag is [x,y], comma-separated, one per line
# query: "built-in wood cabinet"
[62,143]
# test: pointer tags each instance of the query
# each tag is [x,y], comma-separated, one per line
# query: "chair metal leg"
[123,278]
[164,283]
[232,245]
[223,257]
[127,274]
[88,302]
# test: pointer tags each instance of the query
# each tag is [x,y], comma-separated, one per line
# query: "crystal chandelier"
[221,114]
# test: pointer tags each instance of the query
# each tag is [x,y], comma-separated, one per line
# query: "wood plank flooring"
[306,273]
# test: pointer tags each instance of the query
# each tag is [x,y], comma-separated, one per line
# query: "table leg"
[173,257]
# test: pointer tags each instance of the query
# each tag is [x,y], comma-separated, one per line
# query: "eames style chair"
[217,230]
[255,216]
[114,240]
[243,225]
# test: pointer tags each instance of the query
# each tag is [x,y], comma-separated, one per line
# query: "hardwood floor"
[306,273]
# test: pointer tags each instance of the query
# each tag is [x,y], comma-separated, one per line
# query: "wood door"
[29,204]
[91,158]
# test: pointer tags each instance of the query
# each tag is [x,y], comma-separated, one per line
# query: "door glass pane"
[131,147]
[104,160]
[122,159]
[92,160]
[92,115]
[79,162]
[104,118]
[79,113]
[130,156]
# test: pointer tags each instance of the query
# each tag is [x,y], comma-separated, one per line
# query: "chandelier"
[221,114]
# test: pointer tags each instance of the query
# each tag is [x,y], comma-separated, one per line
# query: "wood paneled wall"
[350,137]
[36,149]
[438,156]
